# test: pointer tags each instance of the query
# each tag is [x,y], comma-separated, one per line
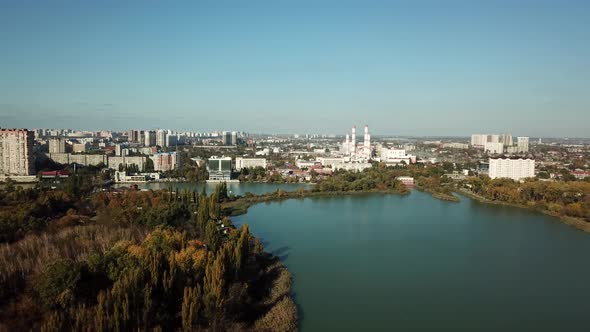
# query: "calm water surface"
[414,263]
[235,188]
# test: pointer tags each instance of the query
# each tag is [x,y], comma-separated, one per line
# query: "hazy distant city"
[153,154]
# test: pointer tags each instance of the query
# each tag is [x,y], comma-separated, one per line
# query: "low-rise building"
[407,180]
[300,163]
[396,156]
[122,177]
[460,146]
[359,167]
[581,174]
[250,163]
[330,162]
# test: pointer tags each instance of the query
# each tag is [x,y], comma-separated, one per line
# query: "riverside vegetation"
[567,200]
[76,260]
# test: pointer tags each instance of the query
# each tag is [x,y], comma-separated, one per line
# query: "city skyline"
[420,69]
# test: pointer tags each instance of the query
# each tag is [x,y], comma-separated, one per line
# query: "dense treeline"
[570,198]
[146,260]
[371,179]
[24,211]
[33,210]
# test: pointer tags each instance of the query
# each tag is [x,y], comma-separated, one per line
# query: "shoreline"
[577,223]
[241,205]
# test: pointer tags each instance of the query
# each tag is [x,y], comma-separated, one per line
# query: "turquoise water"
[235,188]
[414,263]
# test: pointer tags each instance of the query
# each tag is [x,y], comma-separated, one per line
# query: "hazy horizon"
[423,68]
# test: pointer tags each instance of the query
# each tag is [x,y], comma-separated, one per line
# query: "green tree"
[191,307]
[57,284]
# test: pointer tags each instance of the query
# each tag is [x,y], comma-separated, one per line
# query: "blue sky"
[402,67]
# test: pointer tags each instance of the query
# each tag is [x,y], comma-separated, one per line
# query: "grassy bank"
[575,222]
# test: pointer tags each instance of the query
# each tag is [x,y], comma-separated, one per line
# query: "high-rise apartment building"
[506,139]
[523,144]
[57,145]
[479,140]
[161,138]
[171,140]
[16,152]
[165,161]
[118,149]
[494,138]
[234,138]
[515,169]
[149,138]
[136,136]
[494,147]
[226,138]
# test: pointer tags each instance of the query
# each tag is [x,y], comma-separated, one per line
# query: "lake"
[234,188]
[386,262]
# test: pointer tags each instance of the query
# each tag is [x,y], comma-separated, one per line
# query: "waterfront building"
[250,163]
[122,177]
[16,152]
[219,168]
[407,180]
[515,169]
